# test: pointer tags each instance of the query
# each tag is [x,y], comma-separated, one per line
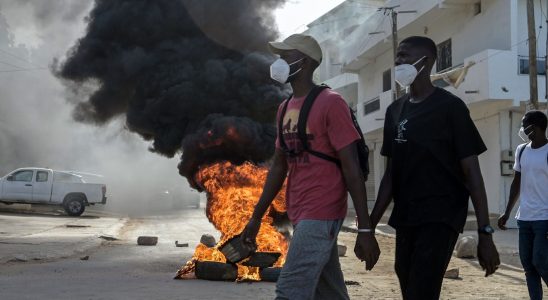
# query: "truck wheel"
[74,206]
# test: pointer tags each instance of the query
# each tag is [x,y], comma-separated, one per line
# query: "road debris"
[351,282]
[341,249]
[147,240]
[452,274]
[180,245]
[208,240]
[19,258]
[108,238]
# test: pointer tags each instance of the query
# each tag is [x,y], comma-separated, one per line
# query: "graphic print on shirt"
[291,138]
[400,137]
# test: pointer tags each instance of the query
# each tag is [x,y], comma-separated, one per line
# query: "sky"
[291,18]
[296,14]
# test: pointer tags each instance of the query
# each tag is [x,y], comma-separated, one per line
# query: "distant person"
[530,185]
[317,188]
[432,148]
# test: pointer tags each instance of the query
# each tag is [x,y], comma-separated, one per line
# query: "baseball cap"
[301,42]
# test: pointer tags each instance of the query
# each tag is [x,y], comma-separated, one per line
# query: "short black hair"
[537,118]
[422,42]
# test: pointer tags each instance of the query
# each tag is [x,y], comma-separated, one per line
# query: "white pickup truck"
[46,186]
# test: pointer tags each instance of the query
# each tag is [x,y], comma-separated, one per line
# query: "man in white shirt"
[530,184]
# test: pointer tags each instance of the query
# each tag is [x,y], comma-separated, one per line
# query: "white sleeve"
[517,165]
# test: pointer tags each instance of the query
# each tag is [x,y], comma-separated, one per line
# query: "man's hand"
[367,249]
[249,234]
[488,255]
[502,221]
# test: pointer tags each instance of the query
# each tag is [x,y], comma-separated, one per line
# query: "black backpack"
[363,150]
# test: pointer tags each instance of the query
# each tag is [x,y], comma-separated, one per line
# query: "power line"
[500,51]
[23,70]
[11,65]
[368,39]
[369,5]
[336,20]
[19,58]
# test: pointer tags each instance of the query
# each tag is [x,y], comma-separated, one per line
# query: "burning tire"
[216,271]
[74,206]
[270,274]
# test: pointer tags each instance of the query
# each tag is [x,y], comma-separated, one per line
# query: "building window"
[387,80]
[524,65]
[371,106]
[445,60]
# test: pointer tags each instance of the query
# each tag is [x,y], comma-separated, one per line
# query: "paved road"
[121,269]
[46,234]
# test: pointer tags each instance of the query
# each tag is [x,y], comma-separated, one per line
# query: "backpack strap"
[303,118]
[521,153]
[281,124]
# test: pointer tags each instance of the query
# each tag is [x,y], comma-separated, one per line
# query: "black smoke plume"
[188,75]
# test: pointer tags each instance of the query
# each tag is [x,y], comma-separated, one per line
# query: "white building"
[491,33]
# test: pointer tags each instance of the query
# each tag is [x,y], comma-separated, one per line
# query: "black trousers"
[422,255]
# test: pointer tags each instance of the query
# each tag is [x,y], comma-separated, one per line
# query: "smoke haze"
[191,74]
[36,125]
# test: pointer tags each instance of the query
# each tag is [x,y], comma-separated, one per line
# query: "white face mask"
[405,74]
[525,136]
[279,70]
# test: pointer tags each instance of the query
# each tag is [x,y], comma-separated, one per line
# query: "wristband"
[365,230]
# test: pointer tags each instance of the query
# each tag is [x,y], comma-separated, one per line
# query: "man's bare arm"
[514,196]
[488,255]
[274,182]
[385,195]
[366,247]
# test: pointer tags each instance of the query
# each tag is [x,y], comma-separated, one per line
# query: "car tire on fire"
[74,206]
[270,274]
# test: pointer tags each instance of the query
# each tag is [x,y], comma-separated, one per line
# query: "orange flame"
[232,193]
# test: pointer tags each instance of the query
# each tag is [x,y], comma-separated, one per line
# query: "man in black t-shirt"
[432,146]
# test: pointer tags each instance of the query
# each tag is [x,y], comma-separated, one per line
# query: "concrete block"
[147,240]
[467,247]
[341,249]
[208,240]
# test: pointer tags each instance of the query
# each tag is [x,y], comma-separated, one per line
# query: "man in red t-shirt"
[316,188]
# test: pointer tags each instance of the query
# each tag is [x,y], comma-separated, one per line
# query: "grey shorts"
[312,269]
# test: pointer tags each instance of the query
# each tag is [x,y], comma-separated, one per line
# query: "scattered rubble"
[19,258]
[147,240]
[341,249]
[76,226]
[350,282]
[467,247]
[108,238]
[208,240]
[180,245]
[452,274]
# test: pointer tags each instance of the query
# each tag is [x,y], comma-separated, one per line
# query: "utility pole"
[395,49]
[394,15]
[533,89]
